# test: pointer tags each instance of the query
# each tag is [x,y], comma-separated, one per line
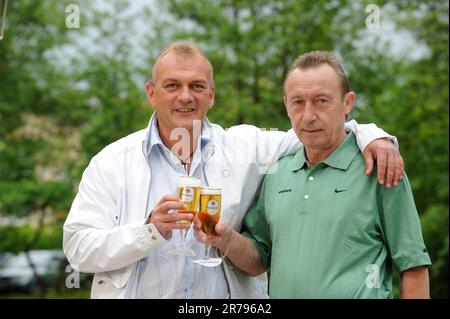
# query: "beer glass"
[209,215]
[189,193]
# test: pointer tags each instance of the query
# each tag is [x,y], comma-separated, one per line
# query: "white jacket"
[105,233]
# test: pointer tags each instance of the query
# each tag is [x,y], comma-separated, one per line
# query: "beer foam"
[188,181]
[210,191]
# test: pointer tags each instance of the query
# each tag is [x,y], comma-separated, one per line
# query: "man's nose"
[185,95]
[309,114]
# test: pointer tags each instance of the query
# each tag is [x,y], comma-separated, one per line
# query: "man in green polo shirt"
[321,227]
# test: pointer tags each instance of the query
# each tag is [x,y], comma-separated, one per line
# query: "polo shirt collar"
[299,161]
[340,158]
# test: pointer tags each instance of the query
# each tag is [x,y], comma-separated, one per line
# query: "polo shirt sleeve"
[401,226]
[256,228]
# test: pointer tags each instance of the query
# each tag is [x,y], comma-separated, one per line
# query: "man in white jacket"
[120,226]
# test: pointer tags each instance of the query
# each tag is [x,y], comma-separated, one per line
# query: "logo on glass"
[212,207]
[188,195]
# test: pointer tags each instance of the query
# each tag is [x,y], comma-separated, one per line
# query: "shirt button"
[154,237]
[306,196]
[311,178]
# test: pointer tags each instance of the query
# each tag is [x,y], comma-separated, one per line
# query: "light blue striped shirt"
[171,276]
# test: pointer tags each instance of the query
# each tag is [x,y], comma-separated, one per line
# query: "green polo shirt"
[329,231]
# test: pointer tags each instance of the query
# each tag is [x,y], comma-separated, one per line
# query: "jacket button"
[101,282]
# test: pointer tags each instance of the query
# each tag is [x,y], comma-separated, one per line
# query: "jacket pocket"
[119,277]
[111,284]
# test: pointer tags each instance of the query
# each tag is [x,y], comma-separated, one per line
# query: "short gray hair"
[182,48]
[316,58]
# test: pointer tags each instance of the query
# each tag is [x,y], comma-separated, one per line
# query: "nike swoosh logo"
[339,190]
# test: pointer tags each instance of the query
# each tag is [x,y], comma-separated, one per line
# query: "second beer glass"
[209,215]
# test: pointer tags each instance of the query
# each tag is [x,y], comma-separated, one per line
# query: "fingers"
[200,235]
[392,164]
[381,166]
[390,170]
[222,229]
[197,223]
[172,226]
[176,218]
[166,206]
[168,198]
[368,159]
[399,169]
[164,221]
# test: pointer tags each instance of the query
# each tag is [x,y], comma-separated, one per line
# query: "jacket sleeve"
[367,133]
[93,241]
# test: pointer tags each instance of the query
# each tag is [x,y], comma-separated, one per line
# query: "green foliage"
[15,239]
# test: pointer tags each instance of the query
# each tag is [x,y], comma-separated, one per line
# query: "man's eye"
[198,86]
[170,85]
[322,101]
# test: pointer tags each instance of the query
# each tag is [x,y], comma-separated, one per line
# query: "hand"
[389,161]
[219,240]
[166,222]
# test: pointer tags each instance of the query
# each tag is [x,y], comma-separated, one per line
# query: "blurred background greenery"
[67,93]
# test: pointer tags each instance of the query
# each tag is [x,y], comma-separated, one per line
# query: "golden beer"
[210,208]
[189,193]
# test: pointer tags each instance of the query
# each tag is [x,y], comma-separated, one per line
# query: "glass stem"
[183,234]
[207,248]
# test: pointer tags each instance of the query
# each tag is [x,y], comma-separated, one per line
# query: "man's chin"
[309,141]
[189,124]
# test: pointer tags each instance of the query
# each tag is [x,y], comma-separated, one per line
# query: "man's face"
[182,92]
[316,107]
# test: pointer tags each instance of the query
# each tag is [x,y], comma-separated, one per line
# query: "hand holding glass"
[209,215]
[189,193]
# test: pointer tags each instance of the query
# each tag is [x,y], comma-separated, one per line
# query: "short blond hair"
[317,58]
[185,49]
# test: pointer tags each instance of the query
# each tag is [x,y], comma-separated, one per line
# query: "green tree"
[32,181]
[410,98]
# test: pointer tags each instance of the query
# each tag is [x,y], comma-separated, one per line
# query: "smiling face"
[181,92]
[317,109]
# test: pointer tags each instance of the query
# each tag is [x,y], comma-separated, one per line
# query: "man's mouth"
[185,110]
[310,131]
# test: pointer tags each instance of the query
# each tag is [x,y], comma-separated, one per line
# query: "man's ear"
[285,104]
[349,101]
[149,89]
[212,97]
